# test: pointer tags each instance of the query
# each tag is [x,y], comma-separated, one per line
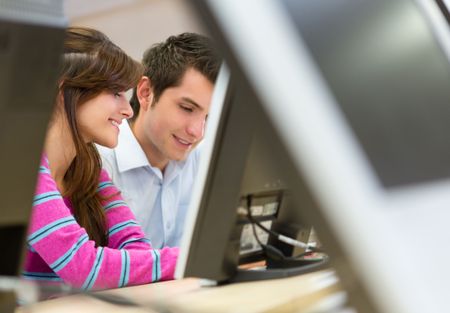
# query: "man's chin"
[179,156]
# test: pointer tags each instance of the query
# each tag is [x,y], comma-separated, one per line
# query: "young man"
[155,162]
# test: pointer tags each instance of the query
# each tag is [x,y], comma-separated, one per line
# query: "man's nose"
[196,128]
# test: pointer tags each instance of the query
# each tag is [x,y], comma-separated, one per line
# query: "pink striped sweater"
[59,249]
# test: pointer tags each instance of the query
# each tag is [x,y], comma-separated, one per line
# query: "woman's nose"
[126,110]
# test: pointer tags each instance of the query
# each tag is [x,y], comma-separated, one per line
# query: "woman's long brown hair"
[91,64]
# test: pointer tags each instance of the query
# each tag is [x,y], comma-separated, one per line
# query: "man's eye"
[186,108]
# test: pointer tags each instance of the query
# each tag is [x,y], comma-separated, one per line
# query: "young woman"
[81,232]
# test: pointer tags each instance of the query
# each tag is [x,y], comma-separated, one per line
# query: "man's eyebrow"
[192,102]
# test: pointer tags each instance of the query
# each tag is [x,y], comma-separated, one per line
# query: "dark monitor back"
[214,246]
[272,200]
[247,159]
[31,37]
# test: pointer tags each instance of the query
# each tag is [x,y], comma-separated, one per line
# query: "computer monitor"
[240,172]
[358,93]
[31,39]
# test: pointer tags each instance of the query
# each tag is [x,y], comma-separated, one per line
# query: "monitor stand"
[280,269]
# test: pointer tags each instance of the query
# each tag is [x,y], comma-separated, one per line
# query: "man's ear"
[144,93]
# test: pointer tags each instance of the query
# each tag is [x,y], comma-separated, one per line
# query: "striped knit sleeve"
[123,230]
[58,244]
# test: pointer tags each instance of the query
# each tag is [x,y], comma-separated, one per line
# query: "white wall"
[134,24]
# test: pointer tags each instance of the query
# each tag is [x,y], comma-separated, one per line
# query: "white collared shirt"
[158,201]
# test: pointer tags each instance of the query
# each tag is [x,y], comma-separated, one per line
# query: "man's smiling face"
[174,125]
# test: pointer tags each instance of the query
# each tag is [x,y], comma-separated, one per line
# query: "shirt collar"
[129,153]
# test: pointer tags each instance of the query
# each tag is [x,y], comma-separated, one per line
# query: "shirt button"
[168,225]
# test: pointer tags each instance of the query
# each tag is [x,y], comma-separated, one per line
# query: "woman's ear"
[144,93]
[58,107]
[60,95]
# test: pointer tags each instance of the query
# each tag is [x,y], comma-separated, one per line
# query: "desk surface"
[306,293]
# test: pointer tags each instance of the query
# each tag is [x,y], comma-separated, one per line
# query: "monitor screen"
[31,37]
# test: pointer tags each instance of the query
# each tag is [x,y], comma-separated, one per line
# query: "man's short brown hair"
[166,62]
